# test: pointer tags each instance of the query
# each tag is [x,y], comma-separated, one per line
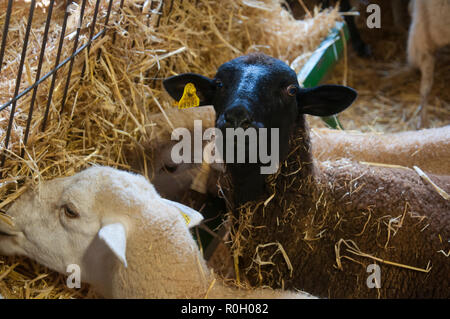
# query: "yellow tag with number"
[189,98]
[186,218]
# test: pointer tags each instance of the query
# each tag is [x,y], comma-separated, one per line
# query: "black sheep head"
[258,91]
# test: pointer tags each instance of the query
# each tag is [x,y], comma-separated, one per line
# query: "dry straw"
[107,112]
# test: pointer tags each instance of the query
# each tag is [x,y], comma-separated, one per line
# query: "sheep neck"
[298,163]
[165,264]
[169,265]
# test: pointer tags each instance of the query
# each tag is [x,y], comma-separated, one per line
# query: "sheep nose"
[238,116]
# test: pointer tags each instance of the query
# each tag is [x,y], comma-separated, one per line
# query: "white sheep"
[126,239]
[429,31]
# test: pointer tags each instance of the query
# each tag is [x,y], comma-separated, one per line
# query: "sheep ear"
[325,100]
[191,216]
[205,87]
[115,237]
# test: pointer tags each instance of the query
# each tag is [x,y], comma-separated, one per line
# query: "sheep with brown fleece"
[126,239]
[321,226]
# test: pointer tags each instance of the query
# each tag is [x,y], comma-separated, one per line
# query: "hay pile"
[106,114]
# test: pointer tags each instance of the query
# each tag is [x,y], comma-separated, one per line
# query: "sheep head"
[256,92]
[85,220]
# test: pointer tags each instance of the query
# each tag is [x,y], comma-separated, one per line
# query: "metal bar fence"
[77,49]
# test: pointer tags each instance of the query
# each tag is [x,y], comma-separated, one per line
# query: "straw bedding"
[107,112]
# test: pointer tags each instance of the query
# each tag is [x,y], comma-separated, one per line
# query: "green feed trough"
[322,61]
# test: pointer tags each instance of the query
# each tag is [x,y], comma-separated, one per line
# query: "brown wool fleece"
[322,210]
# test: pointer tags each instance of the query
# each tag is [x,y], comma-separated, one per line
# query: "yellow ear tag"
[186,218]
[189,98]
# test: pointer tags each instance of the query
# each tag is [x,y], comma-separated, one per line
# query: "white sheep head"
[85,219]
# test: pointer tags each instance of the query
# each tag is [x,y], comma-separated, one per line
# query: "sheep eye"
[69,212]
[291,90]
[219,83]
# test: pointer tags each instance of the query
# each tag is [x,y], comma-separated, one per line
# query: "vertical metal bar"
[58,56]
[75,45]
[170,10]
[108,13]
[91,34]
[94,22]
[18,80]
[149,14]
[160,14]
[5,32]
[38,74]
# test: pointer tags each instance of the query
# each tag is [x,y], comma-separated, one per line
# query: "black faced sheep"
[317,226]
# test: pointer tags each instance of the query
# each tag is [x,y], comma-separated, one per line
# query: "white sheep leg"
[420,55]
[426,82]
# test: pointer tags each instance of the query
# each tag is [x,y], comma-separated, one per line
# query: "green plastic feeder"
[322,62]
